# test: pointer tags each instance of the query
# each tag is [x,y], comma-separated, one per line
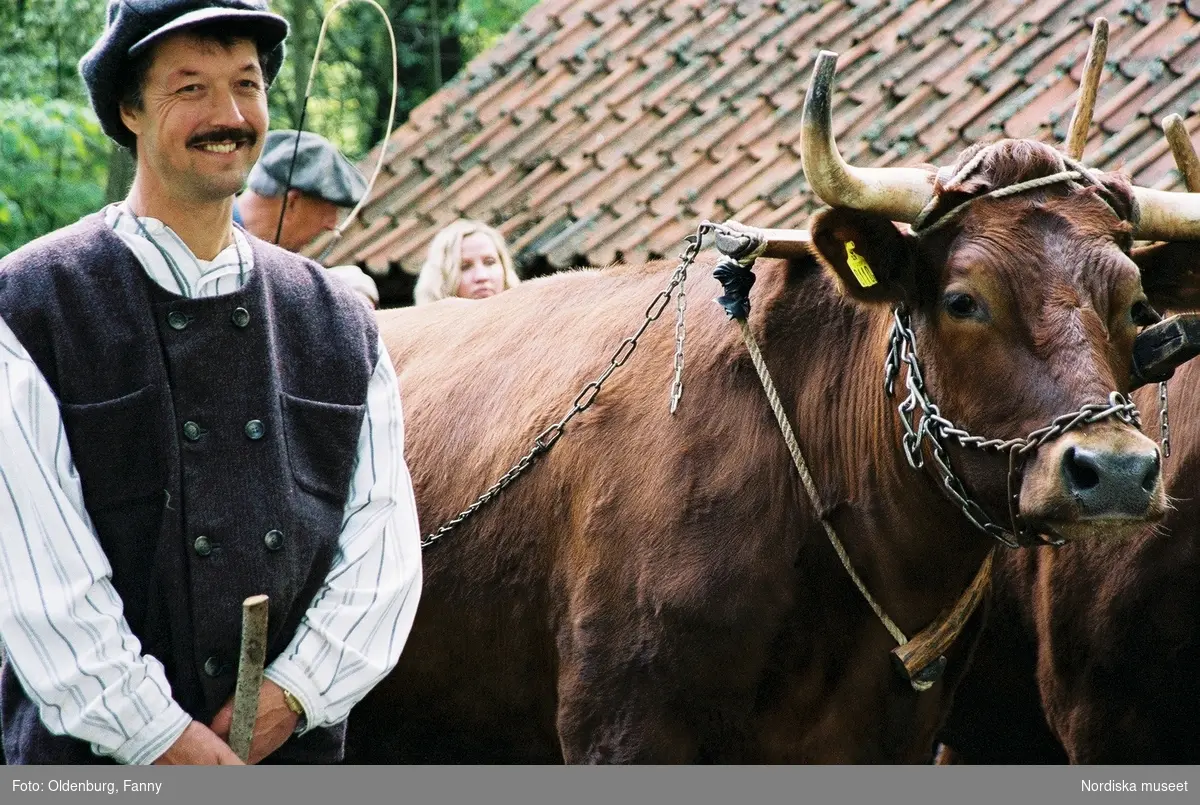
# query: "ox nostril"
[1080,469]
[1110,483]
[1150,479]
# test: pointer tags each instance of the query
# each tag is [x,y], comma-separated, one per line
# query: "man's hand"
[275,723]
[198,746]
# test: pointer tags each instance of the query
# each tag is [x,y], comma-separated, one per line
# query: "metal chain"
[931,426]
[1164,428]
[546,439]
[680,332]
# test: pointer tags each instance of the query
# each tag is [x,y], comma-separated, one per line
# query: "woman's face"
[482,272]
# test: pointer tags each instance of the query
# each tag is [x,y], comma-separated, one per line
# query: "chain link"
[680,332]
[1164,428]
[584,399]
[936,429]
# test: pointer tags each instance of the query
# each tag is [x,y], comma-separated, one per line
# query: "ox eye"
[1143,315]
[961,305]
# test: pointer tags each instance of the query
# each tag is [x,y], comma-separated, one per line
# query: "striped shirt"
[61,620]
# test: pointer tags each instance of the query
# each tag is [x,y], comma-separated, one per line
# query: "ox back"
[658,588]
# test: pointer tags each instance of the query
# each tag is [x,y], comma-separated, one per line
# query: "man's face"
[305,218]
[203,116]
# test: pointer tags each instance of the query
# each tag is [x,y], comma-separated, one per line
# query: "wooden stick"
[1183,151]
[1092,69]
[922,659]
[250,674]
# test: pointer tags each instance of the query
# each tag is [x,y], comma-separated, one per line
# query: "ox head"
[1025,307]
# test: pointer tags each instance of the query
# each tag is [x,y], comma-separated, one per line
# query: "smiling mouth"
[220,148]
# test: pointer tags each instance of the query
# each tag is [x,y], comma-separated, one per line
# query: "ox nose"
[1111,483]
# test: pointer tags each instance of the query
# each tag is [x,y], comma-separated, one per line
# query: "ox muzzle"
[1089,473]
[1105,481]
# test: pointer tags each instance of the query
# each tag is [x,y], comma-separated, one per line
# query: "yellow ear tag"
[858,265]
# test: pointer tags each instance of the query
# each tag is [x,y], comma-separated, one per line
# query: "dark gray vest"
[215,439]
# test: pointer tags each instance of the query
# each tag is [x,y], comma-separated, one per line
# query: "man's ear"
[1170,275]
[872,259]
[129,119]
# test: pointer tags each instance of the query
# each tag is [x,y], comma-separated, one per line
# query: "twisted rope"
[810,487]
[1073,170]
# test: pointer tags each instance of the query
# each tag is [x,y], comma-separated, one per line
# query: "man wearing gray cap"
[296,191]
[193,416]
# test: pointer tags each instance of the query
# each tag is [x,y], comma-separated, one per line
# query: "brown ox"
[658,588]
[1091,650]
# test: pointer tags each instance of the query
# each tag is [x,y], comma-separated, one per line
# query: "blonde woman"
[466,259]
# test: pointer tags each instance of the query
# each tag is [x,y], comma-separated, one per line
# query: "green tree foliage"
[352,90]
[481,23]
[54,160]
[52,167]
[53,156]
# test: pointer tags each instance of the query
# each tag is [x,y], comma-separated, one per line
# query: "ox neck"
[911,544]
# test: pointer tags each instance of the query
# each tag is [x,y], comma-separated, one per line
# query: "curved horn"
[1164,215]
[899,193]
[1093,68]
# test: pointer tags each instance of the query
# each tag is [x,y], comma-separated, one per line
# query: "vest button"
[202,546]
[212,666]
[177,320]
[273,540]
[240,317]
[254,429]
[192,431]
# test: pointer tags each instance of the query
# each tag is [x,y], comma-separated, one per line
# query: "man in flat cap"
[194,416]
[296,191]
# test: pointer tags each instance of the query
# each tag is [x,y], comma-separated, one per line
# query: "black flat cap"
[320,169]
[134,25]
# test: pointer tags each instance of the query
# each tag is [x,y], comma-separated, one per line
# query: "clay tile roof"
[598,131]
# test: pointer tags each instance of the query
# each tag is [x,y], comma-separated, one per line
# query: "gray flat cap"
[320,170]
[131,26]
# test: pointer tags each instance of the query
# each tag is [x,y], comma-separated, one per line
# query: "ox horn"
[899,193]
[1172,216]
[1093,68]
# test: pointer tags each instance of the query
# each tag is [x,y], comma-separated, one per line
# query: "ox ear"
[871,258]
[1170,275]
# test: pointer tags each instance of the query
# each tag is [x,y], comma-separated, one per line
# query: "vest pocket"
[322,440]
[116,447]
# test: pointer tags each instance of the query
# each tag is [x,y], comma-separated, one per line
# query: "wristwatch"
[294,705]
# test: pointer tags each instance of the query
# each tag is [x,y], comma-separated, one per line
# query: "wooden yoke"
[1181,148]
[743,242]
[922,659]
[1081,121]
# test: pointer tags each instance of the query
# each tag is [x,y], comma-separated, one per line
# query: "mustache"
[224,134]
